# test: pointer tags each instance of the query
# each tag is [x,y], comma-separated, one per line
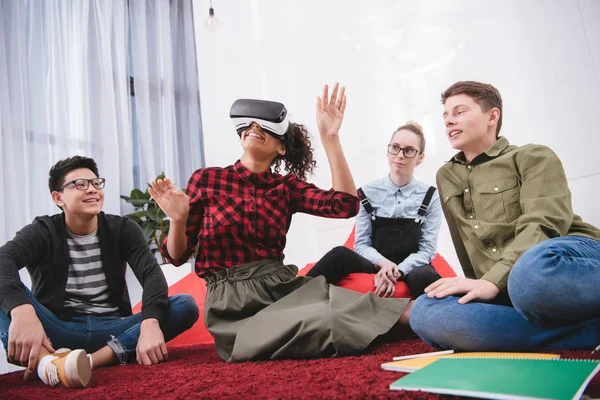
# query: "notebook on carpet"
[503,378]
[414,364]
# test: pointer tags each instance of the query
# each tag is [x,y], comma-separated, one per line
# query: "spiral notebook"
[503,378]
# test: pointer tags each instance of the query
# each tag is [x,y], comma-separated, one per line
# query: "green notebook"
[502,378]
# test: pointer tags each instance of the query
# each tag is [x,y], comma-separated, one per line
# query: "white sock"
[41,369]
[91,361]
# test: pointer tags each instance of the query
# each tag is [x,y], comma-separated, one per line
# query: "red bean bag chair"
[364,283]
[359,282]
[196,288]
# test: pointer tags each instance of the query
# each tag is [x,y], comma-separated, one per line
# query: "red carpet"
[197,372]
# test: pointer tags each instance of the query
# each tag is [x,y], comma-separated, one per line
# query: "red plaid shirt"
[240,217]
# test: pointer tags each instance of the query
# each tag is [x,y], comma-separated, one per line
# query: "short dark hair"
[484,94]
[63,167]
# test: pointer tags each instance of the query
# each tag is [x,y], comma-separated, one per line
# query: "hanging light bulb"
[212,23]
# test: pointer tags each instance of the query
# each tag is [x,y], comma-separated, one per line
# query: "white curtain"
[65,68]
[165,84]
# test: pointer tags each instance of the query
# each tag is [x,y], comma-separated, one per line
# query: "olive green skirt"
[262,310]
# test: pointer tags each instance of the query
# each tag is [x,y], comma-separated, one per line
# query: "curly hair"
[298,156]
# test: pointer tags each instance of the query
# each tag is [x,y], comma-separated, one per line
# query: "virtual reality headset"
[271,116]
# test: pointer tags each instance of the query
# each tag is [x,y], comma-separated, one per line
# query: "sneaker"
[28,377]
[61,352]
[71,368]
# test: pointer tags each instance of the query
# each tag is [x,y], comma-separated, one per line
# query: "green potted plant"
[149,217]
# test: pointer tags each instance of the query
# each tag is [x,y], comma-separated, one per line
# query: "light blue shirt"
[391,201]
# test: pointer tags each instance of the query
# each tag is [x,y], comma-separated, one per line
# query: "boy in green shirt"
[532,267]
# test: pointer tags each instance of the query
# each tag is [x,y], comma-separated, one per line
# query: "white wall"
[395,58]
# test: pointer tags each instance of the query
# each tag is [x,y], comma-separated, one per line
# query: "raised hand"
[330,110]
[170,199]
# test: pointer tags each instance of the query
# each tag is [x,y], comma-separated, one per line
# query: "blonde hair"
[415,128]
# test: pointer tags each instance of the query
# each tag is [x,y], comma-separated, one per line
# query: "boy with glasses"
[79,297]
[532,267]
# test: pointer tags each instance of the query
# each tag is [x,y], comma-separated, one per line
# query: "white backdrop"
[395,58]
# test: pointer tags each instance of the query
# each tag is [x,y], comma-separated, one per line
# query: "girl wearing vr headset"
[397,225]
[256,307]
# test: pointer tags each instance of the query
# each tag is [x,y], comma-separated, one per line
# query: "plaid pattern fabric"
[239,217]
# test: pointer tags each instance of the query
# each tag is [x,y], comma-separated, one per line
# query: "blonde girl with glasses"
[397,225]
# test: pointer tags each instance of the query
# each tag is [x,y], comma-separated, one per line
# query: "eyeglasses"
[409,152]
[84,184]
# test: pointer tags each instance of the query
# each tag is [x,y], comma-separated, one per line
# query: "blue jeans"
[92,332]
[554,288]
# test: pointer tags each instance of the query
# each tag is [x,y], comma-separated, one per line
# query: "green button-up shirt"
[503,202]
